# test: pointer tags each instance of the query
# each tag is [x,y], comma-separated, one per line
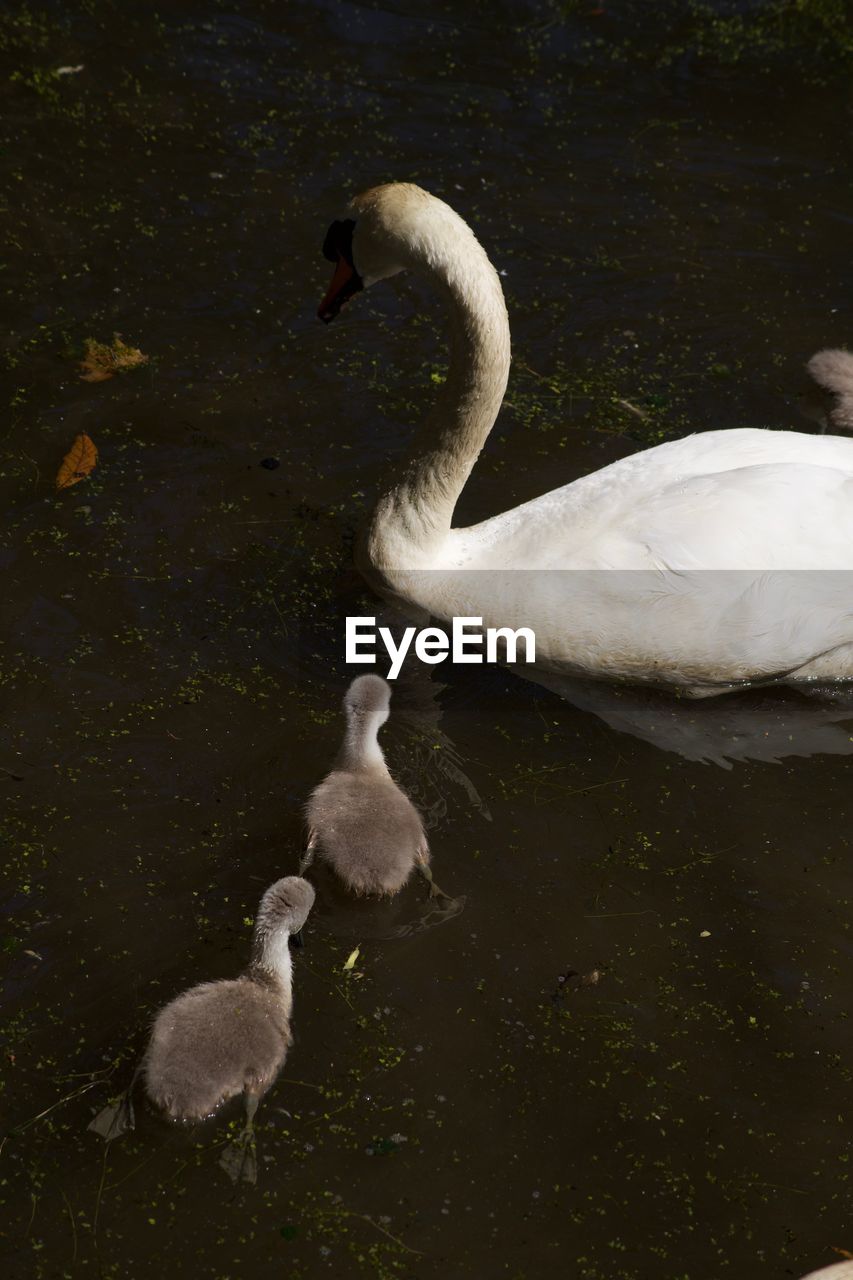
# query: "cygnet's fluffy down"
[833,370]
[222,1039]
[359,820]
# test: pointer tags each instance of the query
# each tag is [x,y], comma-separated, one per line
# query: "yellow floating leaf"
[104,360]
[80,459]
[351,959]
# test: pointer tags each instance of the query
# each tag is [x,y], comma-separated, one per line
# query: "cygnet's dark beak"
[296,939]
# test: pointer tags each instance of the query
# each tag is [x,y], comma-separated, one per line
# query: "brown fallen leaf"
[104,360]
[80,459]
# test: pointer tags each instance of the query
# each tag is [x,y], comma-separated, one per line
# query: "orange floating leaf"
[80,459]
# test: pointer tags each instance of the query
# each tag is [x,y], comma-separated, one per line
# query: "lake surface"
[667,196]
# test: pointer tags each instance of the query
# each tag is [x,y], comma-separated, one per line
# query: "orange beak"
[345,282]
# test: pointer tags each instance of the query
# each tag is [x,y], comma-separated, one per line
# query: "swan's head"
[368,698]
[387,229]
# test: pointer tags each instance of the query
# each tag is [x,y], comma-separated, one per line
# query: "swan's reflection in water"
[767,725]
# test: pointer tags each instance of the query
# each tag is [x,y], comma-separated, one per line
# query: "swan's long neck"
[414,516]
[360,748]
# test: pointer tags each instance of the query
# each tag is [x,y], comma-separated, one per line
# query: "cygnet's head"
[284,906]
[368,698]
[387,229]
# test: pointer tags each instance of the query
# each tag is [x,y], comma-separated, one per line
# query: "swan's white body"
[716,559]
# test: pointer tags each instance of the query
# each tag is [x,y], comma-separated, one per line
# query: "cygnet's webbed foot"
[434,891]
[441,910]
[239,1158]
[115,1119]
[297,939]
[308,856]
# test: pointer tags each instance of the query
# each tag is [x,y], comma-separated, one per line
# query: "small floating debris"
[571,980]
[69,71]
[104,360]
[706,933]
[385,1146]
[634,409]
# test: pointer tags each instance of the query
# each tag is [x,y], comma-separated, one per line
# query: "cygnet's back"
[359,820]
[221,1039]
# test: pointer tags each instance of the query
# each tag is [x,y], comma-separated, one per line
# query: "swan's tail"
[833,370]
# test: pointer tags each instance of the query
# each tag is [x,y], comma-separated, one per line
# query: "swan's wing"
[766,516]
[679,511]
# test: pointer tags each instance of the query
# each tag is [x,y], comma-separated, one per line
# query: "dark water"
[668,197]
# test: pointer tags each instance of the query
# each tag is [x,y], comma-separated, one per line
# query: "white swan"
[615,580]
